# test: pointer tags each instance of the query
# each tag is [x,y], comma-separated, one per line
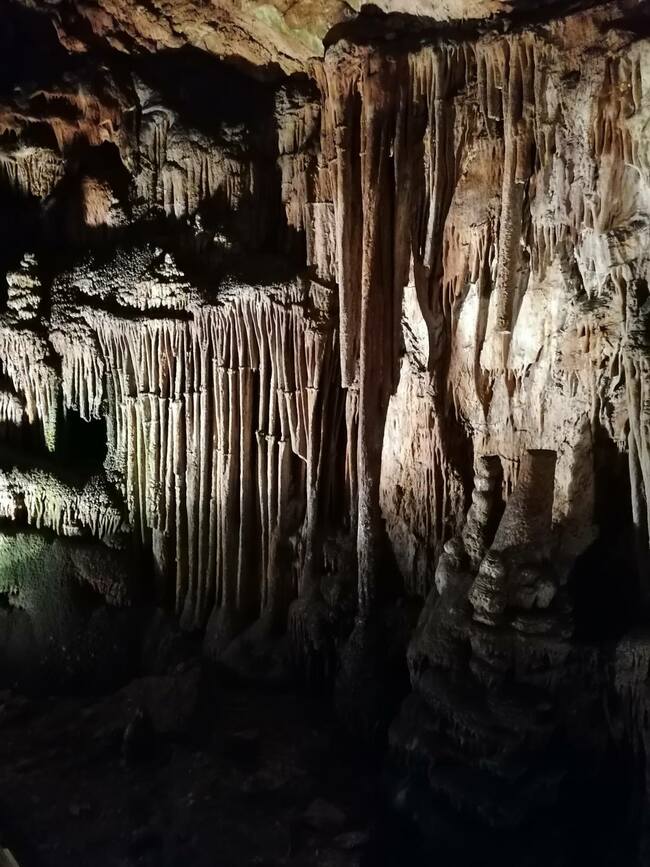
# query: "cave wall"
[297,350]
[457,233]
[340,355]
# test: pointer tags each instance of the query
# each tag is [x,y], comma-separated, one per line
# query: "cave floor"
[257,777]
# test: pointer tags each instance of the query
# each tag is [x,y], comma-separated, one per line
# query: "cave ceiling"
[272,37]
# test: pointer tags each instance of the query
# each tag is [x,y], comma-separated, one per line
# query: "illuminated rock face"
[261,33]
[375,331]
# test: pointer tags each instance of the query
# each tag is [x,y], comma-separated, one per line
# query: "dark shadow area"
[594,817]
[20,228]
[604,581]
[236,112]
[80,210]
[207,94]
[82,444]
[29,47]
[401,29]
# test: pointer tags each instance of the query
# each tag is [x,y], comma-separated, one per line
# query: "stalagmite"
[523,535]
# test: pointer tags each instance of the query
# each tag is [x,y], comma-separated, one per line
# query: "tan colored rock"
[355,294]
[258,33]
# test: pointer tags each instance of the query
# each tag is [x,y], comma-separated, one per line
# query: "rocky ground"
[179,770]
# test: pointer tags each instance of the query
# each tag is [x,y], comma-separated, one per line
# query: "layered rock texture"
[310,314]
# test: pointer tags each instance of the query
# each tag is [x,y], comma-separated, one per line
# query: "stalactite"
[25,359]
[82,370]
[377,329]
[339,80]
[637,380]
[34,172]
[183,168]
[47,502]
[210,415]
[500,177]
[515,65]
[12,409]
[298,120]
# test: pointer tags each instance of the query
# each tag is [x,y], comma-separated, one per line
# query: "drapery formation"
[473,217]
[213,428]
[487,176]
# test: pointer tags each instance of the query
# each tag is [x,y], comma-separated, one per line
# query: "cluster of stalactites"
[44,501]
[218,425]
[31,171]
[12,410]
[25,355]
[209,423]
[438,104]
[24,290]
[25,358]
[82,370]
[407,109]
[298,120]
[181,168]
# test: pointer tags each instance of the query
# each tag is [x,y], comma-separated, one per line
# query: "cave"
[324,433]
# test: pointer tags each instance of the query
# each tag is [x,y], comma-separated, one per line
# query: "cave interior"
[324,433]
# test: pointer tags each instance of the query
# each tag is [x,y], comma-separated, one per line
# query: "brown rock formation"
[262,331]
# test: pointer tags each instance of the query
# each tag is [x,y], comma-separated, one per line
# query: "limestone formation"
[316,315]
